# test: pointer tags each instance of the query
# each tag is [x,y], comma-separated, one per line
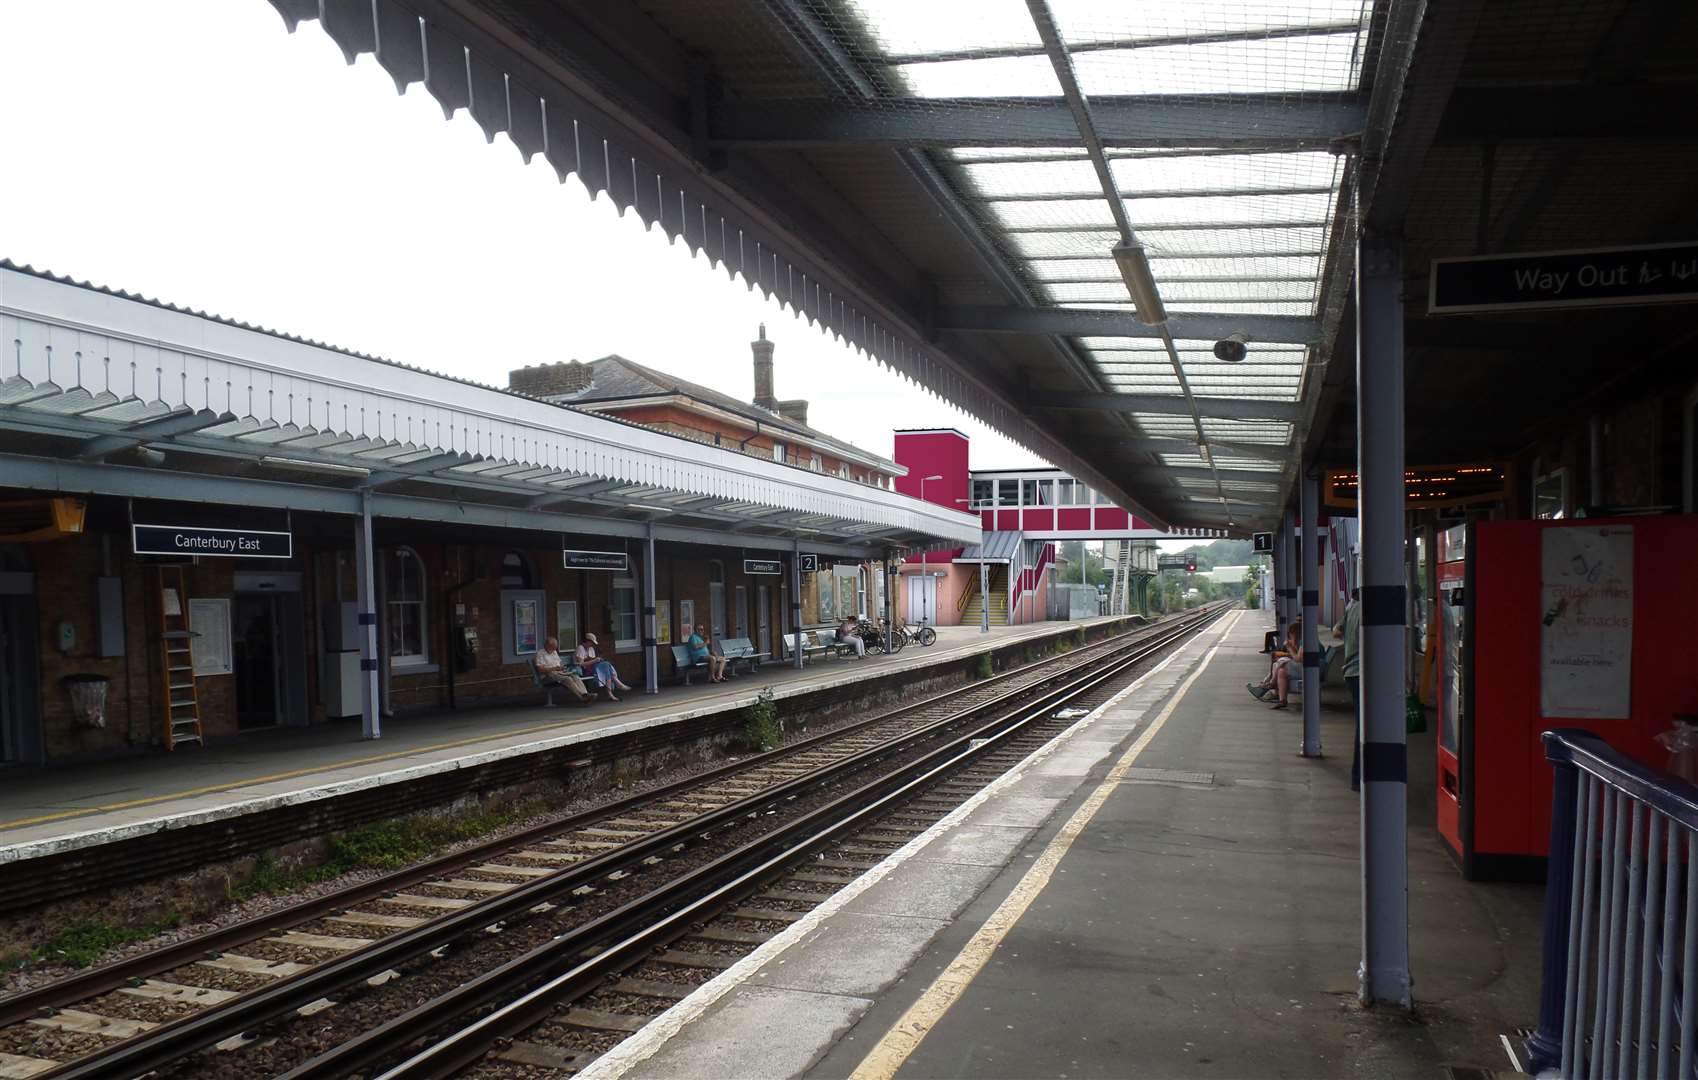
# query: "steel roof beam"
[1107,322]
[1197,472]
[164,427]
[1155,444]
[1170,405]
[1318,121]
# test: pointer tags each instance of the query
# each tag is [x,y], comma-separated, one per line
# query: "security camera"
[1232,348]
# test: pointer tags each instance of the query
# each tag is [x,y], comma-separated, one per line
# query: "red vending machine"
[1572,624]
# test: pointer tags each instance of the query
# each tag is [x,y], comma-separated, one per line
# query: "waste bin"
[88,698]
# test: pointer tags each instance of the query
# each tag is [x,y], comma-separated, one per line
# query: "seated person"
[551,669]
[1286,665]
[846,633]
[717,660]
[701,653]
[590,663]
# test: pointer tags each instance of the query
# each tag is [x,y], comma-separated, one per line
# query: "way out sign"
[594,560]
[1653,274]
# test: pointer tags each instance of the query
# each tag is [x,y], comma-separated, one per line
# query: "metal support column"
[651,620]
[889,600]
[796,599]
[984,597]
[1384,976]
[365,569]
[1312,552]
[1595,461]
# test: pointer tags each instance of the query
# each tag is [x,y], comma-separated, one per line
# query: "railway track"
[548,884]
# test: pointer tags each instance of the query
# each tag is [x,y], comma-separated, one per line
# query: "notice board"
[1586,632]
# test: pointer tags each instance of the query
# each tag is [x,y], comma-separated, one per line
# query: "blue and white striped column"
[1384,975]
[1312,551]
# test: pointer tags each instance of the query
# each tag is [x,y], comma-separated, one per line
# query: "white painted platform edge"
[98,835]
[646,1043]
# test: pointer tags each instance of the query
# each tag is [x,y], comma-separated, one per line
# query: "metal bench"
[549,686]
[684,665]
[740,650]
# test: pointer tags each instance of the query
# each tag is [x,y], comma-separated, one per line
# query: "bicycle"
[925,635]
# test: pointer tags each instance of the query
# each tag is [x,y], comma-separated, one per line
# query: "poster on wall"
[524,627]
[1586,640]
[663,624]
[686,619]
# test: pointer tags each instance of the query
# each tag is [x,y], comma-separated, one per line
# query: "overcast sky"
[194,151]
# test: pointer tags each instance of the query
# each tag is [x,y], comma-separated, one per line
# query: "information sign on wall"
[763,566]
[196,540]
[595,560]
[1586,640]
[1652,274]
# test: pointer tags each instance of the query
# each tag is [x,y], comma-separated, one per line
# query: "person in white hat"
[591,665]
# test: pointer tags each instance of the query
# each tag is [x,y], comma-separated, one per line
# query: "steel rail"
[82,986]
[666,913]
[170,1041]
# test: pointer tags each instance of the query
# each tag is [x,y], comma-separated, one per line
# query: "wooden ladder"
[176,641]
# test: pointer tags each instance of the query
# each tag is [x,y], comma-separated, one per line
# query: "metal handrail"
[1619,993]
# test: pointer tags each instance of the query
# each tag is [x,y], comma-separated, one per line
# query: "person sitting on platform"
[696,643]
[590,663]
[717,660]
[846,634]
[1286,664]
[551,669]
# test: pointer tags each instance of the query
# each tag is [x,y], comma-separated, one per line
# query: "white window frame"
[634,642]
[1540,475]
[402,661]
[778,451]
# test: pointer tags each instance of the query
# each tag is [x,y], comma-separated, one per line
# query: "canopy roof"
[251,415]
[945,183]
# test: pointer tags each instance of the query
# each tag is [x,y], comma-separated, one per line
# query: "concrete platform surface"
[49,810]
[1167,891]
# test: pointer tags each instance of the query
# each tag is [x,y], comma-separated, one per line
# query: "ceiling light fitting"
[1135,269]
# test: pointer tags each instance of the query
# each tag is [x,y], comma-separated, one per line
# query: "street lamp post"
[924,571]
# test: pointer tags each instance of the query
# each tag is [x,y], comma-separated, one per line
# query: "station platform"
[1168,890]
[60,810]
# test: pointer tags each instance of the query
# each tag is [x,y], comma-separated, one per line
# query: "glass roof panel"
[1275,66]
[997,77]
[904,28]
[1223,171]
[1220,210]
[1254,308]
[1115,291]
[1230,249]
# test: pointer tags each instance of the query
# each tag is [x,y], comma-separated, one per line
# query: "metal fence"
[1620,991]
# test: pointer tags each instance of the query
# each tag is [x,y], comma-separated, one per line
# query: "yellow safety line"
[892,1051]
[210,789]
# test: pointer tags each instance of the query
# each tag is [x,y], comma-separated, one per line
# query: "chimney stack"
[763,348]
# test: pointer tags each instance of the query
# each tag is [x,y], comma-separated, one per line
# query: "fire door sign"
[1652,274]
[1586,636]
[198,540]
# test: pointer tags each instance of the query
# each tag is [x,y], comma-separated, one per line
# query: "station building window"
[1064,491]
[404,598]
[515,571]
[984,493]
[1550,493]
[1039,492]
[778,451]
[1008,493]
[625,634]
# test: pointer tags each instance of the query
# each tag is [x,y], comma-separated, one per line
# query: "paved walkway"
[1169,892]
[46,809]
